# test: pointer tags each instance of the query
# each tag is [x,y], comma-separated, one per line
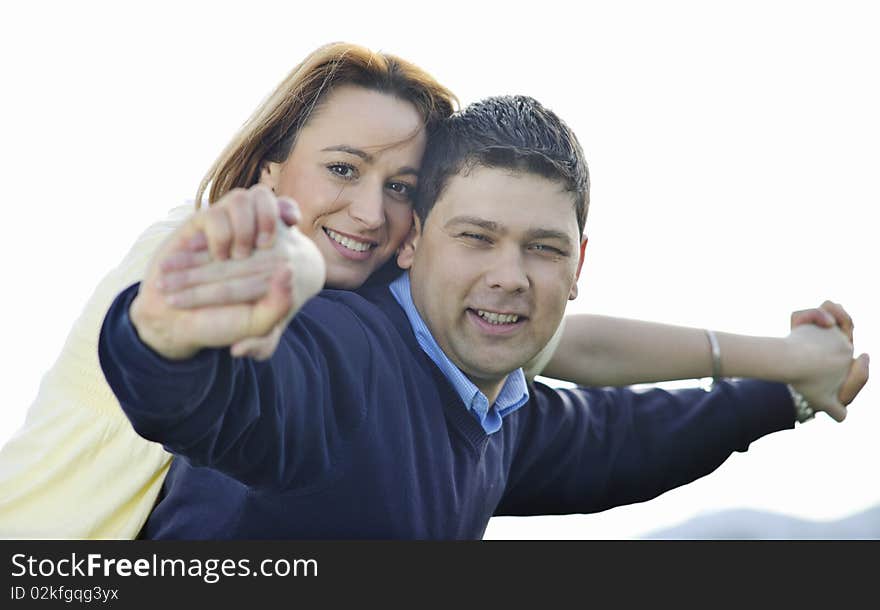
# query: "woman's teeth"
[351,244]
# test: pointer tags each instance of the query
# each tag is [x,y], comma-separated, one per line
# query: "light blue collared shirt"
[514,393]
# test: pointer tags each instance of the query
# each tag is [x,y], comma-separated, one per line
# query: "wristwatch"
[803,412]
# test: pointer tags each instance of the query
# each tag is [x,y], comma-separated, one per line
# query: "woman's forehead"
[365,120]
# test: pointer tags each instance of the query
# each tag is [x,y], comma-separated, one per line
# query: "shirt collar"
[514,393]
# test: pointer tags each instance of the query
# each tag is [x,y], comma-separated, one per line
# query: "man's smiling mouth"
[497,318]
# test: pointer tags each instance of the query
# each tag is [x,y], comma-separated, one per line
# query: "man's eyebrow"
[475,220]
[550,234]
[368,158]
[495,227]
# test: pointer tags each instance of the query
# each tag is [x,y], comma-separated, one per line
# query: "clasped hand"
[823,368]
[233,275]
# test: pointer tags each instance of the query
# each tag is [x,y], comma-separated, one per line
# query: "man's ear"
[407,251]
[572,295]
[269,174]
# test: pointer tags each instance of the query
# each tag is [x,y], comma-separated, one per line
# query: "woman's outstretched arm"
[604,350]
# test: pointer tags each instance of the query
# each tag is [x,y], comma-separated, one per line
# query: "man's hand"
[234,275]
[827,374]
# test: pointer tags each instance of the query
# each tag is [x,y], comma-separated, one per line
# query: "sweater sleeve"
[280,424]
[587,450]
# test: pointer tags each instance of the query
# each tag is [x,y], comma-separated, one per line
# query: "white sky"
[734,154]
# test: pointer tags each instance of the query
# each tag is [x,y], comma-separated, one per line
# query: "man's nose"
[507,271]
[367,207]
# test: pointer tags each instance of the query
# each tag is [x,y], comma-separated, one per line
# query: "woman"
[354,195]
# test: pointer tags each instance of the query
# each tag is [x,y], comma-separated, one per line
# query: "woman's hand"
[827,376]
[234,275]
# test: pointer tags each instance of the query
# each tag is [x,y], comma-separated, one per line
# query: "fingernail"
[263,240]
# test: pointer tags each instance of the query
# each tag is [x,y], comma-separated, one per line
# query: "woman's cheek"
[401,222]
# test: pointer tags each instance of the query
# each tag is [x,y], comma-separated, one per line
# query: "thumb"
[289,211]
[836,410]
[855,379]
[252,347]
[258,348]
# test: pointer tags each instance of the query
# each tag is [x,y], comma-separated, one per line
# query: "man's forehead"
[507,198]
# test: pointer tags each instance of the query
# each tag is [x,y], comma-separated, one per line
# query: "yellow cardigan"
[76,468]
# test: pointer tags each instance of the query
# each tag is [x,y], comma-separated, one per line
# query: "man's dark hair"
[510,132]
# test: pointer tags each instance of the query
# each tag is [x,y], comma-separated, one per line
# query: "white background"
[734,149]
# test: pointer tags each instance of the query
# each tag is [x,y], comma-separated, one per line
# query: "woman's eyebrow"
[368,158]
[357,152]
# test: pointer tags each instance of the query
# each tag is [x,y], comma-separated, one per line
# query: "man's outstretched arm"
[585,450]
[179,384]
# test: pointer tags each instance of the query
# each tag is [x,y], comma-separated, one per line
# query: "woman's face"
[353,172]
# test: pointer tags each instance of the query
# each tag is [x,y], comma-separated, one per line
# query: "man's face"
[492,268]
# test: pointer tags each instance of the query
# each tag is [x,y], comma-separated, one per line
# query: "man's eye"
[343,170]
[545,249]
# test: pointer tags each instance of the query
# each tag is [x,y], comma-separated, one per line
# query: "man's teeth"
[497,318]
[357,246]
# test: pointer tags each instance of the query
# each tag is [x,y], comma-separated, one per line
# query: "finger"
[258,348]
[243,222]
[276,305]
[855,380]
[184,260]
[229,292]
[290,212]
[841,317]
[216,272]
[816,316]
[266,208]
[197,242]
[218,231]
[837,411]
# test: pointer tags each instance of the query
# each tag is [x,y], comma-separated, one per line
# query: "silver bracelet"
[716,357]
[803,412]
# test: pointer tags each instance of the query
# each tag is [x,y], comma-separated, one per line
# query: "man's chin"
[493,368]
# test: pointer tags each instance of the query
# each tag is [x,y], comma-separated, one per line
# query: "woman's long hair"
[270,133]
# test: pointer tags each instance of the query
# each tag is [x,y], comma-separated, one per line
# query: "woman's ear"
[269,173]
[407,250]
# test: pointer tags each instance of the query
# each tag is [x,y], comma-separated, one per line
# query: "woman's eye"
[402,189]
[475,237]
[343,170]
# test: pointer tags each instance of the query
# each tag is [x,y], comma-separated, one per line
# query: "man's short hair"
[510,132]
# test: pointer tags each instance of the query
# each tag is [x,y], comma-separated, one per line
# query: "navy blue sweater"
[350,431]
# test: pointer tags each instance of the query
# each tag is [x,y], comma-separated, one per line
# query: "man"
[403,413]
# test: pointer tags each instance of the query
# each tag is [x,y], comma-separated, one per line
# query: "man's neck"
[491,389]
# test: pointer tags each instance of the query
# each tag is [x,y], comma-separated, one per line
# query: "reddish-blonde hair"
[270,133]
